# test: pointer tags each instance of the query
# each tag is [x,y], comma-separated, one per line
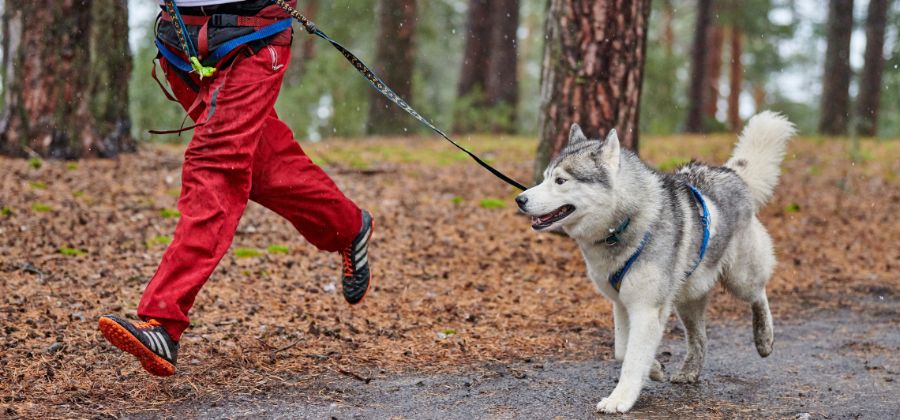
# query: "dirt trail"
[825,365]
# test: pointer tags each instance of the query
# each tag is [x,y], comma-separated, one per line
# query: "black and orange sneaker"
[148,341]
[357,275]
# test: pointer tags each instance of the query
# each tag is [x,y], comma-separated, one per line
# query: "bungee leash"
[386,91]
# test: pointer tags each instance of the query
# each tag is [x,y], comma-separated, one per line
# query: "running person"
[240,151]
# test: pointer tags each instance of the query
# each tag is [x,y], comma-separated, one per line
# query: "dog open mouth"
[543,222]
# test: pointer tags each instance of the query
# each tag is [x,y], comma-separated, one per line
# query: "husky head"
[577,192]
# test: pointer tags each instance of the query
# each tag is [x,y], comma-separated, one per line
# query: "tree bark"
[501,81]
[395,60]
[716,38]
[668,36]
[110,73]
[694,122]
[488,78]
[593,69]
[870,82]
[735,79]
[835,107]
[61,100]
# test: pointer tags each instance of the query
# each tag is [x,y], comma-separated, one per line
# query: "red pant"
[242,152]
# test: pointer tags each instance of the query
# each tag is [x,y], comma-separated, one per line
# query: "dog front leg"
[620,318]
[644,335]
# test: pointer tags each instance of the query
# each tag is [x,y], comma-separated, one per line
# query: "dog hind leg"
[749,269]
[693,317]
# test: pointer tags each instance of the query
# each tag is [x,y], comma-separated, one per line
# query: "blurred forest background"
[475,66]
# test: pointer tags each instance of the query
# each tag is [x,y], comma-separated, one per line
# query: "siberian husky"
[655,241]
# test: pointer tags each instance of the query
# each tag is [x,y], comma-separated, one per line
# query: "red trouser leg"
[224,166]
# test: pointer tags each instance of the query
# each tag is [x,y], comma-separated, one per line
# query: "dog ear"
[576,135]
[610,150]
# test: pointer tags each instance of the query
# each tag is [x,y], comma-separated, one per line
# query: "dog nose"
[522,201]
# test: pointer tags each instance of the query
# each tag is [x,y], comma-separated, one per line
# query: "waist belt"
[271,27]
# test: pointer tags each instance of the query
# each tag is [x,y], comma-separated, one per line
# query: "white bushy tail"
[759,151]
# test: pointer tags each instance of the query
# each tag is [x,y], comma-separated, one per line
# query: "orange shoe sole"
[118,336]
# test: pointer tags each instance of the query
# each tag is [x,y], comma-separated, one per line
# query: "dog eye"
[560,181]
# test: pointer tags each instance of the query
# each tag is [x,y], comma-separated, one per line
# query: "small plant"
[492,203]
[35,163]
[169,213]
[458,200]
[278,249]
[77,194]
[41,208]
[72,252]
[6,212]
[247,253]
[792,208]
[159,240]
[38,185]
[71,166]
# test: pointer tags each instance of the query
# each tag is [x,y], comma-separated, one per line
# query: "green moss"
[169,213]
[35,163]
[458,200]
[41,208]
[72,252]
[792,208]
[6,212]
[38,185]
[247,253]
[492,203]
[71,166]
[278,249]
[159,240]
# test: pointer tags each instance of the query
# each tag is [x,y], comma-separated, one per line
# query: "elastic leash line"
[387,92]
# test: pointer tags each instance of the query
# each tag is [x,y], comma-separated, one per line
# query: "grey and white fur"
[592,187]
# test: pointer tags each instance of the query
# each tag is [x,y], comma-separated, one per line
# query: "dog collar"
[613,238]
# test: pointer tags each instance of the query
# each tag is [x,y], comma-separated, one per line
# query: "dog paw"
[612,404]
[684,377]
[657,373]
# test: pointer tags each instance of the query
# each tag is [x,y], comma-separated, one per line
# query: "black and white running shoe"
[148,341]
[357,276]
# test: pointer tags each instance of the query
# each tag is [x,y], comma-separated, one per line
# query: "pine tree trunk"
[110,73]
[395,60]
[304,48]
[835,107]
[477,49]
[736,73]
[870,82]
[501,80]
[592,72]
[62,101]
[668,36]
[694,122]
[713,70]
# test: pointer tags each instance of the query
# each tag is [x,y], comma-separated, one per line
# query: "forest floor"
[466,294]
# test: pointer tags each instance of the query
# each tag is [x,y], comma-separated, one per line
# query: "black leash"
[383,88]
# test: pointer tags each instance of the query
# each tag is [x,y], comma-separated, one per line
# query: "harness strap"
[615,279]
[222,20]
[704,220]
[388,93]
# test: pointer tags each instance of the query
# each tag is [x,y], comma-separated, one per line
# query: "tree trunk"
[870,82]
[713,70]
[62,102]
[488,78]
[835,107]
[477,49]
[501,81]
[110,73]
[668,36]
[694,122]
[759,96]
[304,48]
[735,79]
[395,60]
[592,72]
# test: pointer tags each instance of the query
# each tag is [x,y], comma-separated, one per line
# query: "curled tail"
[759,151]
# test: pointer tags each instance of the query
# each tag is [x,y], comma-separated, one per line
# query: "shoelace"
[348,261]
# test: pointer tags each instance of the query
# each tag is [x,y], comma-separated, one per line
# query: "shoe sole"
[371,273]
[118,336]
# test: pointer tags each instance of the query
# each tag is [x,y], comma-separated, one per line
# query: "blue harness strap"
[226,48]
[615,279]
[704,220]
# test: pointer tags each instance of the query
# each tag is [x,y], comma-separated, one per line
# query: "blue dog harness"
[615,279]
